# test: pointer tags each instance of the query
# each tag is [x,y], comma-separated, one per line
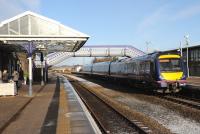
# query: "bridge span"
[95,51]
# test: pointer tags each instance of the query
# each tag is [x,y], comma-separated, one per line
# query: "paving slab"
[79,123]
[12,105]
[193,82]
[52,109]
[31,119]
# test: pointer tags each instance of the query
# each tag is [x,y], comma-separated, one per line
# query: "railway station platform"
[53,108]
[193,82]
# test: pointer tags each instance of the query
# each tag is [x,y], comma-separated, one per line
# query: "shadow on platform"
[50,123]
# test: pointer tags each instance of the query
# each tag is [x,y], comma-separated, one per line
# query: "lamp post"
[187,58]
[181,50]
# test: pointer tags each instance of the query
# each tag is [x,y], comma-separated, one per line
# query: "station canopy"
[43,34]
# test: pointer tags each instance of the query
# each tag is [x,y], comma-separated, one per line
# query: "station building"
[193,58]
[11,61]
[27,35]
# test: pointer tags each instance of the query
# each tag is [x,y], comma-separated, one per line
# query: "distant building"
[63,69]
[193,58]
[105,59]
[77,68]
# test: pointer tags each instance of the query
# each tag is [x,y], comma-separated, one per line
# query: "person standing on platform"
[16,78]
[5,76]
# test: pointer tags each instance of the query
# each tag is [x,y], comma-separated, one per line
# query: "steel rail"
[138,126]
[182,101]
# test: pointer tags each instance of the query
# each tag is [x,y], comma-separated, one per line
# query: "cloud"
[187,12]
[166,14]
[152,19]
[32,4]
[10,8]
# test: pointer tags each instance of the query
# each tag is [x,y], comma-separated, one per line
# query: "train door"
[153,70]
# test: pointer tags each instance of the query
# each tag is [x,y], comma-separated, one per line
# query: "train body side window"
[147,67]
[152,69]
[130,67]
[134,68]
[140,68]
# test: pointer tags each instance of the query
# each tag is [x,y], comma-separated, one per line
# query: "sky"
[162,23]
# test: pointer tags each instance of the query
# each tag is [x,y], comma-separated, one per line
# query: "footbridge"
[95,51]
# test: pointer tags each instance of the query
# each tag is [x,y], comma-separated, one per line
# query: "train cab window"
[141,68]
[168,65]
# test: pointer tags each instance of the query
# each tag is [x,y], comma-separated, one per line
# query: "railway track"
[187,98]
[109,120]
[177,98]
[183,100]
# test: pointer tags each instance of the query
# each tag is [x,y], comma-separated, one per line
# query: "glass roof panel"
[4,29]
[23,24]
[32,27]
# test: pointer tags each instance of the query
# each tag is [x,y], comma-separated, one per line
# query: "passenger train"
[162,71]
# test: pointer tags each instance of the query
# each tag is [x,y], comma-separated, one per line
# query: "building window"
[196,55]
[184,56]
[192,55]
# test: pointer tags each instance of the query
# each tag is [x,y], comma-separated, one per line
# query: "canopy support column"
[30,75]
[42,69]
[45,72]
[30,68]
[42,74]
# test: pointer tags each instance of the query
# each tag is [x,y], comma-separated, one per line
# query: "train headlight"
[161,77]
[183,76]
[182,84]
[163,84]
